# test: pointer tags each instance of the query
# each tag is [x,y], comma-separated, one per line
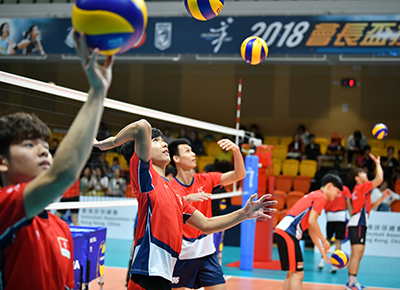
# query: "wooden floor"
[114,278]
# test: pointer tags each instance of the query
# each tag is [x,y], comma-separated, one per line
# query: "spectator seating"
[323,145]
[282,214]
[203,161]
[283,182]
[293,197]
[302,183]
[396,206]
[281,201]
[290,167]
[286,141]
[213,149]
[376,143]
[280,152]
[277,163]
[308,168]
[271,140]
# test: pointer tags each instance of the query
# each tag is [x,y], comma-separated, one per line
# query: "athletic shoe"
[321,264]
[355,286]
[333,270]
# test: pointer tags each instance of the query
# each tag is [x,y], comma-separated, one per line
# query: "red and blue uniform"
[336,209]
[161,214]
[296,220]
[35,253]
[195,243]
[361,200]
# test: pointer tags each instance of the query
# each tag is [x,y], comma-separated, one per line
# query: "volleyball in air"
[380,131]
[112,26]
[204,9]
[339,259]
[254,50]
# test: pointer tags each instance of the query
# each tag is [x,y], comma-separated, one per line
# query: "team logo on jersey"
[180,198]
[299,265]
[175,280]
[200,189]
[64,247]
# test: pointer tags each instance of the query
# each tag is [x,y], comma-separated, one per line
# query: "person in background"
[295,148]
[85,181]
[98,183]
[256,131]
[54,146]
[366,163]
[358,223]
[71,195]
[304,135]
[355,144]
[196,143]
[390,164]
[376,193]
[115,165]
[36,246]
[313,151]
[167,136]
[170,172]
[117,184]
[302,215]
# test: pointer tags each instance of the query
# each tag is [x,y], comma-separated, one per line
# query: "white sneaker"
[321,264]
[333,270]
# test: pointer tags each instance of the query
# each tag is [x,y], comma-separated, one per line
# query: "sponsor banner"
[328,34]
[119,221]
[383,234]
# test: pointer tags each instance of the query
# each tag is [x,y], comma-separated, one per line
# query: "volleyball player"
[357,226]
[336,221]
[36,250]
[302,215]
[161,211]
[198,265]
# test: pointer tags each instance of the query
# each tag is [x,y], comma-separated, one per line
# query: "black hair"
[128,148]
[20,126]
[334,179]
[28,32]
[2,27]
[209,168]
[170,169]
[353,173]
[173,148]
[311,136]
[357,134]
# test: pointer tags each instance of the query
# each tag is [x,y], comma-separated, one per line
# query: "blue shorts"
[197,273]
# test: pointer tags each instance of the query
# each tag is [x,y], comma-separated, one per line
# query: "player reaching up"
[36,250]
[162,212]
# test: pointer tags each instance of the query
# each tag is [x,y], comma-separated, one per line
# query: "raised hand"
[227,145]
[257,208]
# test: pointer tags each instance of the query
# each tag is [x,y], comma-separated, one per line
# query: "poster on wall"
[285,35]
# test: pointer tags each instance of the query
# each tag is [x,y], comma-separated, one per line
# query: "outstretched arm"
[252,209]
[379,171]
[239,172]
[77,144]
[140,131]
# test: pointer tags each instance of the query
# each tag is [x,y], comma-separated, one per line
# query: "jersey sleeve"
[188,210]
[141,175]
[319,203]
[12,212]
[215,178]
[366,187]
[347,192]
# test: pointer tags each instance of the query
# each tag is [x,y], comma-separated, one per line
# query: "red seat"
[293,197]
[302,183]
[284,183]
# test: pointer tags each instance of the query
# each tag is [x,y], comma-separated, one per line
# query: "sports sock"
[352,279]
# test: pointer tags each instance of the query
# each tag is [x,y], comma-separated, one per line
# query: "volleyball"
[254,50]
[112,26]
[204,9]
[380,131]
[339,259]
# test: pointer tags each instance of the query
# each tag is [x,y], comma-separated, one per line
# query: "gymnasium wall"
[276,97]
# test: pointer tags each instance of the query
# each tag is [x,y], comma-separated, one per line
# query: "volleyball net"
[57,106]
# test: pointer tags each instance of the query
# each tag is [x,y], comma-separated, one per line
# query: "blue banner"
[328,34]
[89,252]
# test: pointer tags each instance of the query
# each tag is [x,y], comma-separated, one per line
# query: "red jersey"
[195,243]
[361,200]
[296,220]
[336,209]
[36,253]
[161,214]
[73,190]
